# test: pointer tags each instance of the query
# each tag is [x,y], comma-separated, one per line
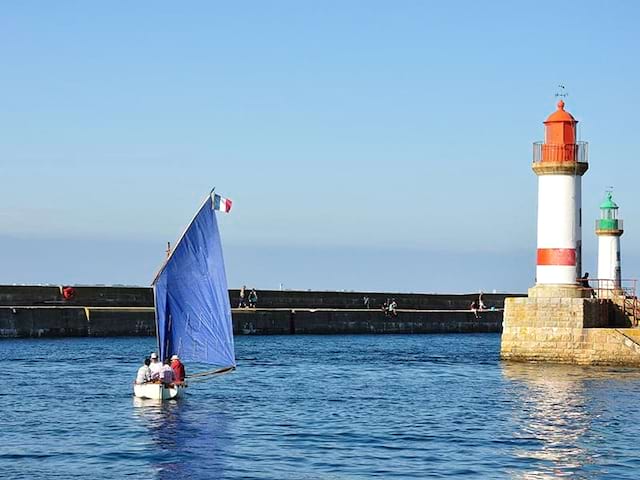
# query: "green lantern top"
[608,221]
[608,203]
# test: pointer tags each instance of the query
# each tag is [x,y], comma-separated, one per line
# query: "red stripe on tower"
[557,256]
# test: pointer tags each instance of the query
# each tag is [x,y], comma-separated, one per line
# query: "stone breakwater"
[583,331]
[43,311]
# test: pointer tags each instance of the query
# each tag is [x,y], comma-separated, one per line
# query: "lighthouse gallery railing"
[549,152]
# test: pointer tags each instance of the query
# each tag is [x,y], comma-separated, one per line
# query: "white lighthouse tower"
[559,162]
[609,230]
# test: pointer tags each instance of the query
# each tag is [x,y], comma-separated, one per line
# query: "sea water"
[317,407]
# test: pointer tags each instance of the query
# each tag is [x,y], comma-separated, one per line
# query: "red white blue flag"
[222,204]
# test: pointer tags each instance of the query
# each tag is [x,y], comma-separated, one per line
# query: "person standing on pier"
[392,308]
[474,308]
[253,298]
[481,305]
[385,307]
[241,303]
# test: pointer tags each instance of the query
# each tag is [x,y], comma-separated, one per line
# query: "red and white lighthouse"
[559,162]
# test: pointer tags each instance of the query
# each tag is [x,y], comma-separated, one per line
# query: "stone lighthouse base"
[567,329]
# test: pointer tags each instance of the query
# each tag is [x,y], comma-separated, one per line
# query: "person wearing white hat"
[155,366]
[178,369]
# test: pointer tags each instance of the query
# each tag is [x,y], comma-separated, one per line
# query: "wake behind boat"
[193,314]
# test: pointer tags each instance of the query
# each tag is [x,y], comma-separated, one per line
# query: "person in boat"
[155,366]
[144,372]
[253,298]
[178,369]
[166,373]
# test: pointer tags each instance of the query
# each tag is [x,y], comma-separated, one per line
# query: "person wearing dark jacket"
[253,298]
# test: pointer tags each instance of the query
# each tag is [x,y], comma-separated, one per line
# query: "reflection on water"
[555,407]
[184,439]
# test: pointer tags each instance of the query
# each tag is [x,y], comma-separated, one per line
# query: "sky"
[366,145]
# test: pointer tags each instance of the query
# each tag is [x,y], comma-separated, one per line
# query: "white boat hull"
[157,391]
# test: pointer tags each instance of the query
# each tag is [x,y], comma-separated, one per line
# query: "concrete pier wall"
[363,321]
[33,322]
[41,311]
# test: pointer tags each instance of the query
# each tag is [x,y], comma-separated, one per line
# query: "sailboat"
[193,313]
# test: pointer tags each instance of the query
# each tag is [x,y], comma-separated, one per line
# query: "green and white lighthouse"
[609,230]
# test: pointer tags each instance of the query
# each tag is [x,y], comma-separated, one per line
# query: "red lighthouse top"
[560,127]
[560,138]
[561,152]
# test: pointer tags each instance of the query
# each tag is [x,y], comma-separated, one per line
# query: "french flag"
[222,204]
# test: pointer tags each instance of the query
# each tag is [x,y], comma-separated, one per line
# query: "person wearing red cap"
[178,369]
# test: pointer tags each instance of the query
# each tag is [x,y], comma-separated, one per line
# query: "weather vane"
[562,92]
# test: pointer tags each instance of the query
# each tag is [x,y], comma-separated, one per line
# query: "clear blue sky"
[366,144]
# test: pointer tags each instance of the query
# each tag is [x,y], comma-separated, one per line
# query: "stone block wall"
[30,322]
[565,330]
[608,346]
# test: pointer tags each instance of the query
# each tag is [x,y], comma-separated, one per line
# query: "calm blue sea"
[317,407]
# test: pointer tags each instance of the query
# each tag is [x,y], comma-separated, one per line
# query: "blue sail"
[193,314]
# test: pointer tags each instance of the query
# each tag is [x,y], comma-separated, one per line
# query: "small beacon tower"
[559,162]
[609,230]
